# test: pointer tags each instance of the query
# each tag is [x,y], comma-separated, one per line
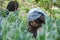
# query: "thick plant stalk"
[1,3]
[50,8]
[46,32]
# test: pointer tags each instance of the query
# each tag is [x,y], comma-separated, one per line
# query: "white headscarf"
[35,13]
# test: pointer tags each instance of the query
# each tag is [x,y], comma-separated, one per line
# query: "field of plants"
[15,25]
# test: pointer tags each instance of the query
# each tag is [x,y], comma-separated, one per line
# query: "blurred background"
[16,29]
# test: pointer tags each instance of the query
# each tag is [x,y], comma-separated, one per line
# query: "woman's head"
[12,6]
[36,17]
[38,22]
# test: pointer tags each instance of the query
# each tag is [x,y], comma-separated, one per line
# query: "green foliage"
[18,30]
[15,25]
[57,3]
[43,3]
[2,12]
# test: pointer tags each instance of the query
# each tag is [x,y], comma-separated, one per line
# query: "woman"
[36,17]
[12,6]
